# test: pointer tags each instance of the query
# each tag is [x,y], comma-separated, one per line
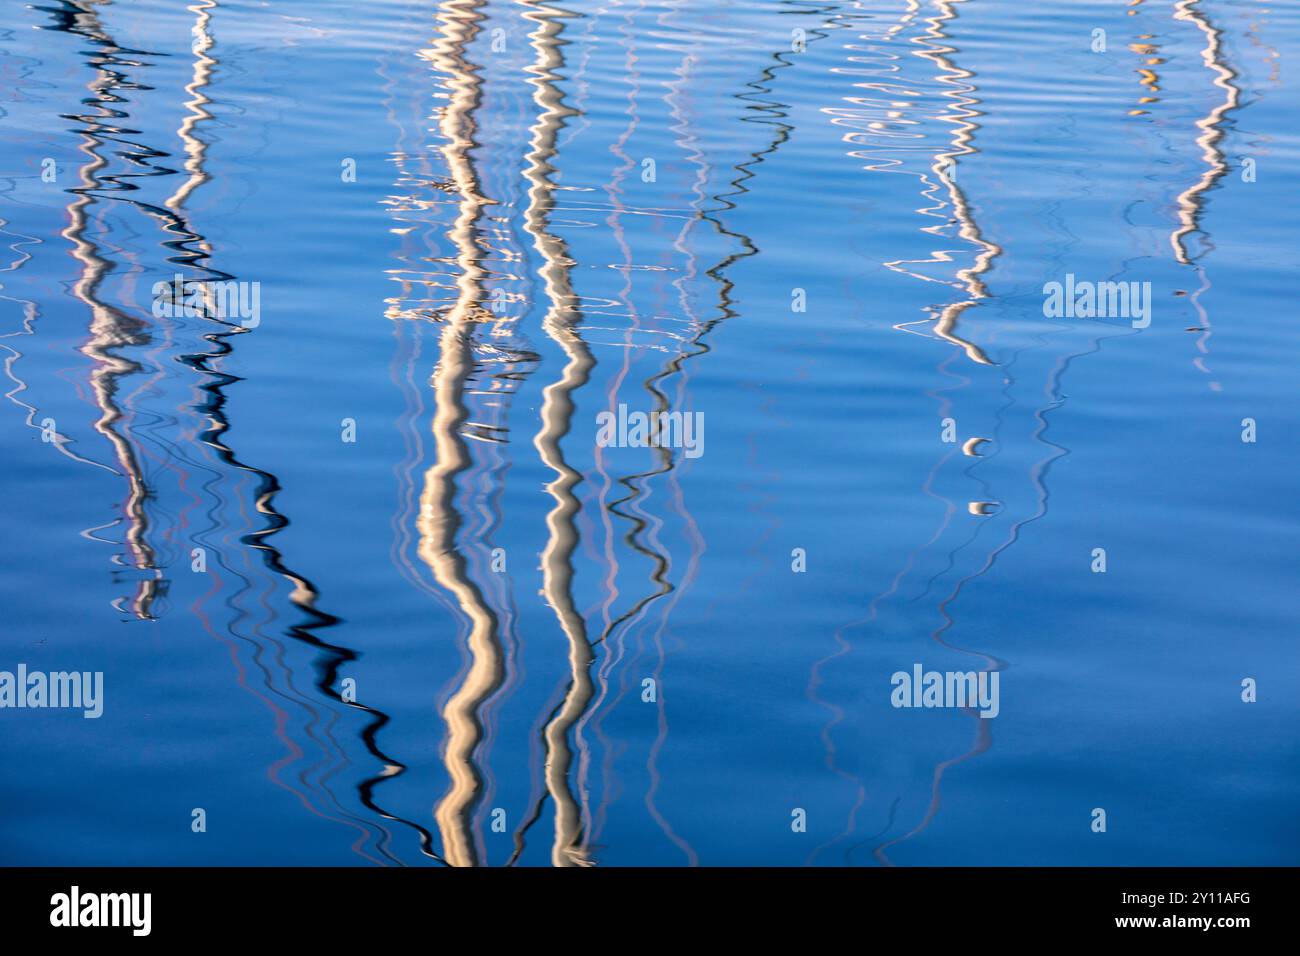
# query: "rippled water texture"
[366,582]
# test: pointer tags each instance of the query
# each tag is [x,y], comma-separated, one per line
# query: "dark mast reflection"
[113,329]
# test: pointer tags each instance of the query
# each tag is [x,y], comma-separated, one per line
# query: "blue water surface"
[367,585]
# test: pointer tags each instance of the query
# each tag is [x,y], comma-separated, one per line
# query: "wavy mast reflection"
[1212,131]
[111,329]
[962,116]
[1038,473]
[1191,202]
[559,323]
[439,521]
[114,329]
[646,528]
[884,142]
[320,724]
[632,507]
